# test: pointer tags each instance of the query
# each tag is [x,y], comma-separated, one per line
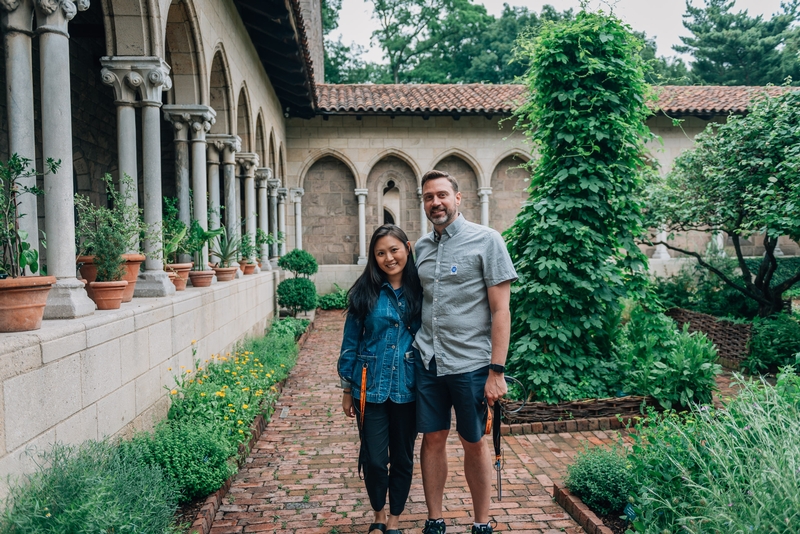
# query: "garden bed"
[588,520]
[203,510]
[730,338]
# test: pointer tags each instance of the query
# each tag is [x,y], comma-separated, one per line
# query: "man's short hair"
[433,175]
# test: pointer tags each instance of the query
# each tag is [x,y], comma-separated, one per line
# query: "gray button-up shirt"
[455,272]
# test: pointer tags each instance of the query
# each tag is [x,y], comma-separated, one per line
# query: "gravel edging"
[579,511]
[205,517]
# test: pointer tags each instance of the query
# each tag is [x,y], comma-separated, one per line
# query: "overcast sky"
[661,19]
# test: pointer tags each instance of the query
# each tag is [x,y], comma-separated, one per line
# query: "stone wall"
[105,375]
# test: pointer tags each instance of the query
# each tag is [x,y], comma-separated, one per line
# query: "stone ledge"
[571,425]
[579,511]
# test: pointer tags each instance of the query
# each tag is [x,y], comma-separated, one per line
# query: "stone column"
[263,176]
[297,197]
[213,153]
[16,20]
[423,218]
[282,194]
[248,162]
[362,225]
[181,123]
[273,185]
[67,298]
[661,252]
[153,281]
[200,119]
[229,145]
[484,193]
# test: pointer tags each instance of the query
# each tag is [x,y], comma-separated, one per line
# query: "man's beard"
[442,217]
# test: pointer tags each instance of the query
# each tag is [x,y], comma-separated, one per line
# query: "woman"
[376,366]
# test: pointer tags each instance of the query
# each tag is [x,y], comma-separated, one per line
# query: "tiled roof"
[479,99]
[419,99]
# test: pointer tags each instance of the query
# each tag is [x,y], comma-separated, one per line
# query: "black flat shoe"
[377,526]
[394,531]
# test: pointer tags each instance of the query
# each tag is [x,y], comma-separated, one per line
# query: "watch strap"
[497,368]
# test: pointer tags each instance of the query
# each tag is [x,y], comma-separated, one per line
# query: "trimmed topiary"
[297,294]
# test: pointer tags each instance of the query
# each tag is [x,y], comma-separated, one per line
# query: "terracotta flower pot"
[132,264]
[247,268]
[108,295]
[181,271]
[22,302]
[201,278]
[225,274]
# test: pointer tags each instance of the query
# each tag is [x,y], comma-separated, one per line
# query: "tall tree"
[737,49]
[343,63]
[662,70]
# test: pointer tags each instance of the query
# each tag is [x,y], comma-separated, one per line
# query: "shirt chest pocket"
[461,268]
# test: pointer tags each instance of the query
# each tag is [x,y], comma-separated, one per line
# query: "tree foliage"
[737,49]
[740,178]
[573,241]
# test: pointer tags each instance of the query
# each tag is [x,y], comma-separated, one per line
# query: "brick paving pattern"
[302,477]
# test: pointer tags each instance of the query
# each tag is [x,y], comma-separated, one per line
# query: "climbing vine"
[573,242]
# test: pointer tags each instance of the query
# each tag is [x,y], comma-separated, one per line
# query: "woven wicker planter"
[730,338]
[537,412]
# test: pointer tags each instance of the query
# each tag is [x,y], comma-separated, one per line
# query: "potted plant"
[174,241]
[127,220]
[196,239]
[247,254]
[226,249]
[106,233]
[22,298]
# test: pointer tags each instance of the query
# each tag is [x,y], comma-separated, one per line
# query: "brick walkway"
[301,476]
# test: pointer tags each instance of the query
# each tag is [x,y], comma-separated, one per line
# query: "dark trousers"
[387,452]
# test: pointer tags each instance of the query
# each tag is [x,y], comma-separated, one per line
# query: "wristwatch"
[497,368]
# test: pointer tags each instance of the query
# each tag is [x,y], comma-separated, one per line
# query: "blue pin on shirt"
[454,269]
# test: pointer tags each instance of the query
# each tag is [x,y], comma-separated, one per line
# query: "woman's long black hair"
[364,294]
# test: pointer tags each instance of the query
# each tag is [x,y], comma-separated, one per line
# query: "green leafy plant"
[193,454]
[334,301]
[174,232]
[289,326]
[196,239]
[90,488]
[300,262]
[775,342]
[601,478]
[740,178]
[15,252]
[226,248]
[247,248]
[265,238]
[574,242]
[654,358]
[297,294]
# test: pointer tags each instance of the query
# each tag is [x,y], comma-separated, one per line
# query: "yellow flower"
[239,422]
[220,393]
[227,370]
[245,389]
[232,411]
[199,381]
[47,514]
[230,405]
[194,341]
[241,431]
[199,368]
[283,365]
[169,368]
[174,392]
[202,394]
[245,406]
[224,387]
[225,418]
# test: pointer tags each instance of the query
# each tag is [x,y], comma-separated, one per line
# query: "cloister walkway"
[301,476]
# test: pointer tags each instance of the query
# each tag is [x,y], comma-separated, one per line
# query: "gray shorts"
[464,392]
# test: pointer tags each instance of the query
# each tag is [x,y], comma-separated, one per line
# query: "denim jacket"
[384,349]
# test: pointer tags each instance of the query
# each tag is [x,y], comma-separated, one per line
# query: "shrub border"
[205,516]
[570,425]
[579,511]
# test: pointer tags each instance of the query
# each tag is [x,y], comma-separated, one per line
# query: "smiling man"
[466,276]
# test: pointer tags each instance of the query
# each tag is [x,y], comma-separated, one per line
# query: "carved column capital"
[263,176]
[53,16]
[361,192]
[195,119]
[146,76]
[484,191]
[273,184]
[16,16]
[248,161]
[296,194]
[282,194]
[227,145]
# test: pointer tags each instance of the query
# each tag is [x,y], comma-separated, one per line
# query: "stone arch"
[468,183]
[261,141]
[321,153]
[510,185]
[220,95]
[132,27]
[243,128]
[183,51]
[271,148]
[330,211]
[393,152]
[471,161]
[392,170]
[281,163]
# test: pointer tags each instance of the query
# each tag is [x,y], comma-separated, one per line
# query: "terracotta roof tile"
[474,99]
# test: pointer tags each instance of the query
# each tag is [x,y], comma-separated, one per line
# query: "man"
[466,276]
